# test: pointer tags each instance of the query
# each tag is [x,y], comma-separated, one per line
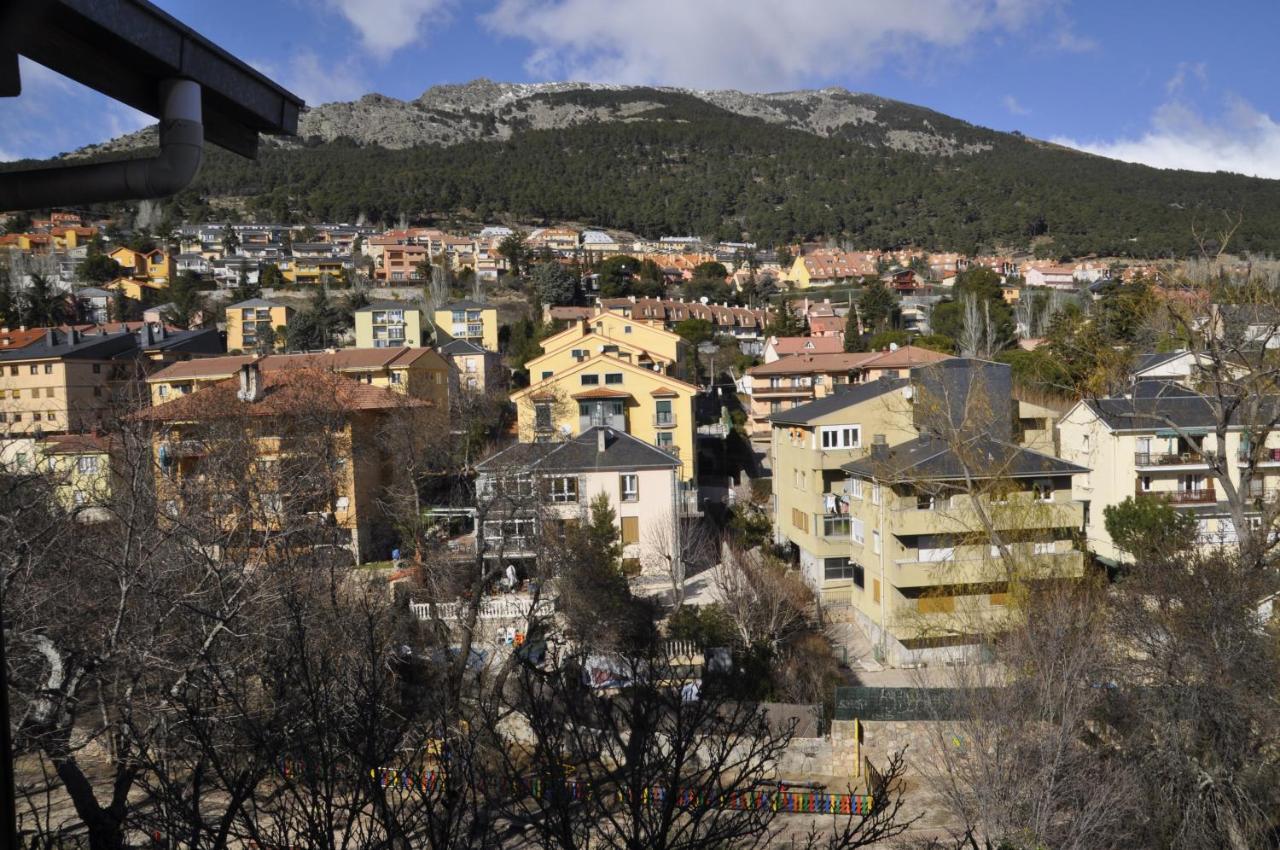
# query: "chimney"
[50,337]
[879,446]
[75,336]
[602,440]
[250,383]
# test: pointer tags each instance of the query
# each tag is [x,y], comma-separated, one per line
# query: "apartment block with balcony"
[929,579]
[557,481]
[255,324]
[627,339]
[1157,443]
[604,390]
[389,324]
[469,320]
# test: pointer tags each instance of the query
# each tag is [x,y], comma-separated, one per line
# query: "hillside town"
[646,467]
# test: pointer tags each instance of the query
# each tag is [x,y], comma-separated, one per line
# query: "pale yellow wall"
[641,407]
[611,328]
[561,357]
[78,484]
[368,336]
[71,390]
[277,316]
[489,326]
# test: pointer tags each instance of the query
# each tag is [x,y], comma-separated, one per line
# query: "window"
[1043,548]
[48,368]
[1043,491]
[590,380]
[1084,444]
[626,329]
[775,407]
[546,375]
[835,526]
[397,378]
[855,488]
[875,494]
[837,569]
[341,503]
[36,417]
[579,354]
[48,392]
[97,391]
[1144,482]
[875,542]
[563,489]
[97,368]
[629,486]
[87,464]
[936,604]
[630,530]
[35,369]
[798,478]
[17,417]
[875,591]
[542,417]
[49,416]
[800,519]
[613,378]
[858,531]
[79,498]
[836,437]
[13,370]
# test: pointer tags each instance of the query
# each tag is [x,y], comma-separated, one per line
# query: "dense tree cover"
[317,326]
[554,284]
[695,330]
[1142,527]
[726,176]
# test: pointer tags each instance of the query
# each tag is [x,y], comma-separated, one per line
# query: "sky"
[1173,84]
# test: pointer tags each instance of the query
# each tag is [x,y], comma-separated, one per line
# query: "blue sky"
[1174,83]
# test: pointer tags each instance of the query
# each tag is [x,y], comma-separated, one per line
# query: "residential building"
[602,389]
[401,263]
[82,471]
[314,269]
[474,368]
[788,382]
[391,324]
[775,348]
[70,380]
[137,289]
[469,320]
[645,345]
[94,304]
[1156,443]
[562,241]
[289,419]
[155,266]
[1051,276]
[253,323]
[874,489]
[419,373]
[641,483]
[822,267]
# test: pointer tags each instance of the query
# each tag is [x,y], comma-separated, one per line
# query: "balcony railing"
[664,420]
[1168,459]
[1204,495]
[1264,456]
[674,451]
[765,392]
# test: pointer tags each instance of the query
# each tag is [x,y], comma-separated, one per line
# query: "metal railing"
[1203,495]
[664,420]
[1168,459]
[1264,455]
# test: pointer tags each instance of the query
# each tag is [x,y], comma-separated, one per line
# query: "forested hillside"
[661,162]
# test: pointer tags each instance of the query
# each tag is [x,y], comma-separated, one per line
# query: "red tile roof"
[788,345]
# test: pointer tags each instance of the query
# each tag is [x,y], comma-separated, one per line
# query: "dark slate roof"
[97,346]
[1143,362]
[581,454]
[255,302]
[460,346]
[935,460]
[855,394]
[1154,405]
[390,305]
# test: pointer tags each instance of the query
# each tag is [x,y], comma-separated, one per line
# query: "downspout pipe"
[169,172]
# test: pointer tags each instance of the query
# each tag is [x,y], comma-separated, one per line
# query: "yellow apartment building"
[312,270]
[468,320]
[155,266]
[82,472]
[609,333]
[607,391]
[475,369]
[874,490]
[327,476]
[420,373]
[390,324]
[251,322]
[71,380]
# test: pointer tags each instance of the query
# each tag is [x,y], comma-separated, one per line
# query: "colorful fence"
[798,802]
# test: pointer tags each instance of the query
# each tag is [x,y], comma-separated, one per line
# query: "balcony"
[664,420]
[1201,496]
[1166,459]
[957,516]
[777,392]
[975,565]
[1265,456]
[674,451]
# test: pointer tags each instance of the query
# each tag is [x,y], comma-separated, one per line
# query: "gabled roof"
[1143,362]
[390,305]
[810,364]
[343,359]
[456,347]
[905,357]
[935,460]
[284,393]
[255,302]
[806,414]
[1155,405]
[581,454]
[544,386]
[788,345]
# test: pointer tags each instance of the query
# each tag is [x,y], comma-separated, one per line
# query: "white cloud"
[1015,108]
[745,44]
[1073,43]
[316,80]
[1241,139]
[385,26]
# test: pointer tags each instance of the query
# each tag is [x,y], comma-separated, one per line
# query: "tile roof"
[59,444]
[826,324]
[905,357]
[284,393]
[582,454]
[601,392]
[343,359]
[809,364]
[984,457]
[788,345]
[805,414]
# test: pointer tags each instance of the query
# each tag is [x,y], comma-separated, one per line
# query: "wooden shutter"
[630,530]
